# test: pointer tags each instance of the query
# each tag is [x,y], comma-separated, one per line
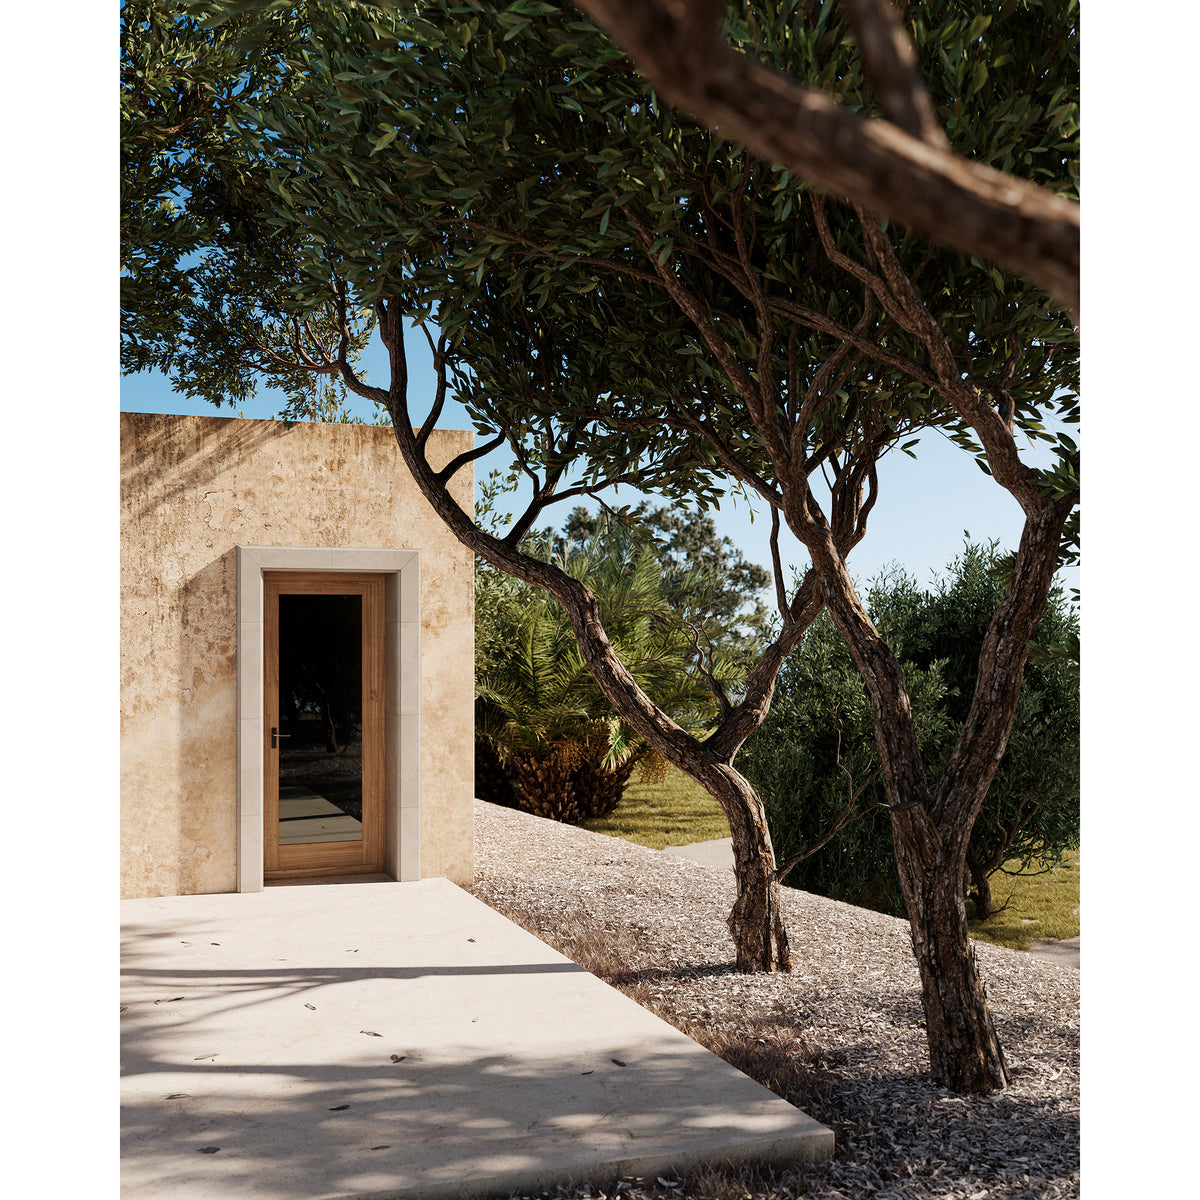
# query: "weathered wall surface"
[192,490]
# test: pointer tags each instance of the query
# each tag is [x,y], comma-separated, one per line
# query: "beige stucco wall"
[192,490]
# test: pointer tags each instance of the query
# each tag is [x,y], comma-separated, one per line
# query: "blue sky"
[926,505]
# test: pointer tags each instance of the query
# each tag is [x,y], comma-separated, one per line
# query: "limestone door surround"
[402,708]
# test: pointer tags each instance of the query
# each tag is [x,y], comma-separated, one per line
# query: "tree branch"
[981,744]
[959,203]
[781,600]
[707,673]
[890,61]
[438,352]
[995,436]
[467,456]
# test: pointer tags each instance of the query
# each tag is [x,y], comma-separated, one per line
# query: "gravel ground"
[846,1026]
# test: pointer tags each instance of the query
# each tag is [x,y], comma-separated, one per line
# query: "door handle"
[275,736]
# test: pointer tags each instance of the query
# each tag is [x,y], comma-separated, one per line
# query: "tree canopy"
[900,163]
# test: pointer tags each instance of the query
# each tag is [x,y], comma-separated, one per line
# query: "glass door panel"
[320,719]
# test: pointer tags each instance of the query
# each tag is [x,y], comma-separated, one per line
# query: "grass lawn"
[677,811]
[673,812]
[1039,906]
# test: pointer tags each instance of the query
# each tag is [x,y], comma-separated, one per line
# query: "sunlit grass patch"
[1038,906]
[670,812]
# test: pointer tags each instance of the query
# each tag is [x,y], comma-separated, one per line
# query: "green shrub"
[553,741]
[815,754]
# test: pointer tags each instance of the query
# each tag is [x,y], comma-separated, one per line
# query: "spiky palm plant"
[553,744]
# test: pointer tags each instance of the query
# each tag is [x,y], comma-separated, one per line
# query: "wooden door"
[323,649]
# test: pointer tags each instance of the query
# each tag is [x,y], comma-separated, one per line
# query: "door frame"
[402,697]
[364,855]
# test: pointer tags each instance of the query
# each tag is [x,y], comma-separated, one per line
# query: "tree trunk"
[544,785]
[964,1051]
[756,922]
[598,789]
[983,889]
[331,737]
[930,842]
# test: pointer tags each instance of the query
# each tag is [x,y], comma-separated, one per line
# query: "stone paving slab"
[717,853]
[402,1040]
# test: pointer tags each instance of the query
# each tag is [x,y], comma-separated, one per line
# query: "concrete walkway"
[719,853]
[402,1040]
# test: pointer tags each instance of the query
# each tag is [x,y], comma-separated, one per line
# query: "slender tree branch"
[707,673]
[867,278]
[812,319]
[544,251]
[690,305]
[438,353]
[977,753]
[869,503]
[781,600]
[746,717]
[456,464]
[1005,406]
[831,374]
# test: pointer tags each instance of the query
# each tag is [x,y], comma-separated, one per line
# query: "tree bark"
[599,789]
[982,897]
[756,922]
[545,786]
[964,1051]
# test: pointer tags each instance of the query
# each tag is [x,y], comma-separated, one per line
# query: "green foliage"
[816,750]
[500,598]
[815,756]
[503,170]
[706,578]
[537,703]
[189,180]
[208,283]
